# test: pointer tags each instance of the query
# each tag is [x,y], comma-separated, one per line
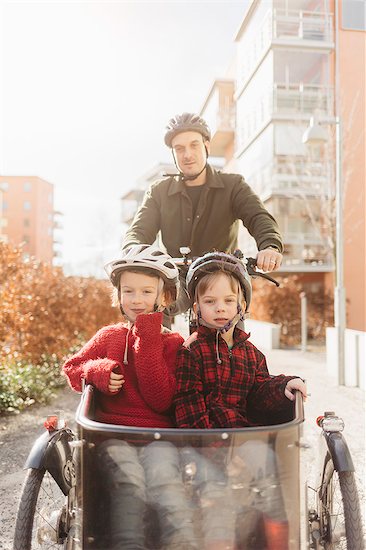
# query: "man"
[201,208]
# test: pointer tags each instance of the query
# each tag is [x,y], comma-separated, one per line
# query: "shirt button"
[188,219]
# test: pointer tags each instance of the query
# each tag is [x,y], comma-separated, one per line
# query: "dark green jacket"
[225,199]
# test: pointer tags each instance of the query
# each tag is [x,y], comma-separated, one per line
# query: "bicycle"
[63,504]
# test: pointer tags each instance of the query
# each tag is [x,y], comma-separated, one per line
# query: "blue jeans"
[141,477]
[235,491]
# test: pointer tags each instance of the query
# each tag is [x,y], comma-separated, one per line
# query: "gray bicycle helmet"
[185,123]
[144,255]
[214,261]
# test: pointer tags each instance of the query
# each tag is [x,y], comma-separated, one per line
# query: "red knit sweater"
[147,394]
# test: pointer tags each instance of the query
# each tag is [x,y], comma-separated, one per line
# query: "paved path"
[326,395]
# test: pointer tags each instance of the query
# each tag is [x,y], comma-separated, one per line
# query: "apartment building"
[296,60]
[131,200]
[27,215]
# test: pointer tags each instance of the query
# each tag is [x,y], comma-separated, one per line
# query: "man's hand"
[295,384]
[269,259]
[116,382]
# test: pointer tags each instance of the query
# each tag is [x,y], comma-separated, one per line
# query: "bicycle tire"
[339,510]
[39,488]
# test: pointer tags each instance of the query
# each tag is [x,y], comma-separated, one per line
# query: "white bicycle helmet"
[184,123]
[147,256]
[214,261]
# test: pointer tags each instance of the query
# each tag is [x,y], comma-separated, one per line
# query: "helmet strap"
[237,320]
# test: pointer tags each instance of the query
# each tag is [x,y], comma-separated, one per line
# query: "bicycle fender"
[339,452]
[52,452]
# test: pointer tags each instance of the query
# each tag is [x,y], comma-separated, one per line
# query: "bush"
[22,384]
[282,305]
[43,316]
[45,313]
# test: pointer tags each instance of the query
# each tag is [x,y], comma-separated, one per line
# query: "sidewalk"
[326,395]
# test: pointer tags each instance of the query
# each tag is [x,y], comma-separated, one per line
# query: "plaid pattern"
[212,395]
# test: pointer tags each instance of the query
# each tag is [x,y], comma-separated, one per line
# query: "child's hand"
[191,338]
[295,384]
[116,382]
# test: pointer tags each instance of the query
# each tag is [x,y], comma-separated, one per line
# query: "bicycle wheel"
[339,510]
[41,516]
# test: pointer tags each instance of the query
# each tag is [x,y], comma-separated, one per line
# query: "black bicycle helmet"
[214,261]
[185,123]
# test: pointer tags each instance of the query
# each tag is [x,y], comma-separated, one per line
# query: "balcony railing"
[290,177]
[285,101]
[295,28]
[224,121]
[302,98]
[303,25]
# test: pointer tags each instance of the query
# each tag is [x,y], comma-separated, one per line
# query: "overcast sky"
[88,88]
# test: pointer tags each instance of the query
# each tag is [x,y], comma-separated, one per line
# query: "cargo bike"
[65,504]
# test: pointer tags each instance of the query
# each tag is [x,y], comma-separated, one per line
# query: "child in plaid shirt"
[222,379]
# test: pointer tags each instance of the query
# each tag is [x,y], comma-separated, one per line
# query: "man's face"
[189,152]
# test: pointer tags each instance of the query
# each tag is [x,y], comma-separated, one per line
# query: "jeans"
[141,477]
[235,493]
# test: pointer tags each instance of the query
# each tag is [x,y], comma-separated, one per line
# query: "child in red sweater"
[133,367]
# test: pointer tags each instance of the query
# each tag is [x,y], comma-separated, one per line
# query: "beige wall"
[352,63]
[33,226]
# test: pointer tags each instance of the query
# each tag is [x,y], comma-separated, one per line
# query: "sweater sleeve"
[90,364]
[248,207]
[155,357]
[189,401]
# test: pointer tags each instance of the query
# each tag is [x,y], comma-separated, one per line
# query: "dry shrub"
[282,305]
[44,312]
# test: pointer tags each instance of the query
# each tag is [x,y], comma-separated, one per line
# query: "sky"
[87,90]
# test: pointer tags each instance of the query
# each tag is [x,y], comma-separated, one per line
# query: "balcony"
[222,129]
[289,99]
[287,102]
[306,28]
[219,113]
[292,177]
[285,30]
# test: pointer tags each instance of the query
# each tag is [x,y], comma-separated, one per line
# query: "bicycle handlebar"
[250,263]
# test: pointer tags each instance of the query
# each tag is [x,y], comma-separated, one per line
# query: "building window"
[26,222]
[26,205]
[5,205]
[27,186]
[4,186]
[354,15]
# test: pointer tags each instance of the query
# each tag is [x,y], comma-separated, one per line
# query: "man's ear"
[207,145]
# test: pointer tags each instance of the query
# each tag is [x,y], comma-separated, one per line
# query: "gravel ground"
[17,435]
[18,432]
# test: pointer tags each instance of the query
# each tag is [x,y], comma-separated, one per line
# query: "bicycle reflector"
[330,423]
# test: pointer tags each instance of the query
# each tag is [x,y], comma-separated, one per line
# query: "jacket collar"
[210,333]
[213,179]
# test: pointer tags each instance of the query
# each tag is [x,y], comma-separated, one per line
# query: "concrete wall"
[355,356]
[263,335]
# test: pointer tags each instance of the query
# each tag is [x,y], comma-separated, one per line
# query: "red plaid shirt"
[226,395]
